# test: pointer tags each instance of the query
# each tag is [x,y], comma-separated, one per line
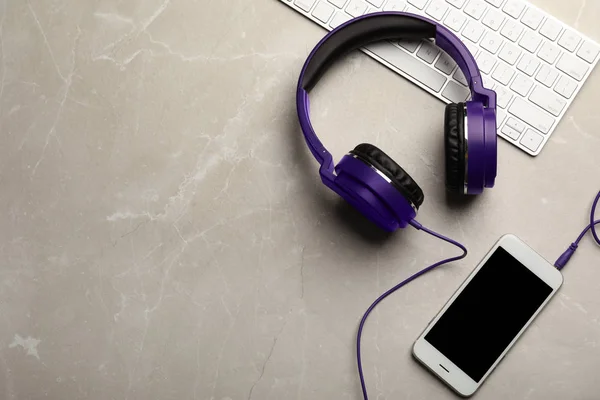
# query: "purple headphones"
[369,179]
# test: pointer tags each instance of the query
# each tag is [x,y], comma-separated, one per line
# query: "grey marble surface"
[164,233]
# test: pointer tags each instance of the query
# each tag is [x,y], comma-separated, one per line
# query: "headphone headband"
[360,32]
[365,30]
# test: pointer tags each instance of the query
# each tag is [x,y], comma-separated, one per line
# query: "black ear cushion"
[454,138]
[400,179]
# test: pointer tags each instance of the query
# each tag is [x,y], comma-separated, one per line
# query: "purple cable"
[592,222]
[398,286]
[566,256]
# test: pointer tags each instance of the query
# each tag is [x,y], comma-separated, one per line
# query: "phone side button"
[444,368]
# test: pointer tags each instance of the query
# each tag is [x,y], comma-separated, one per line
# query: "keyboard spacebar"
[408,64]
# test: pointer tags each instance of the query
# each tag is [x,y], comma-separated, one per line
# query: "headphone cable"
[398,286]
[562,261]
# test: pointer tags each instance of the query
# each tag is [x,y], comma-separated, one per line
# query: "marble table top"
[165,235]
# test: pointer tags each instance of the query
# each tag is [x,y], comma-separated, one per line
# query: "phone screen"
[488,314]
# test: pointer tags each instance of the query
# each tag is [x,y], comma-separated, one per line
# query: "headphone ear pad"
[401,180]
[454,145]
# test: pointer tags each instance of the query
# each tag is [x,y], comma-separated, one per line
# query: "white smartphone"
[487,314]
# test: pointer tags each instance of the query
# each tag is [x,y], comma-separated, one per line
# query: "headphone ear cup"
[377,187]
[399,178]
[454,145]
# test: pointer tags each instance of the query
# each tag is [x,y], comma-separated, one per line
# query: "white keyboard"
[535,63]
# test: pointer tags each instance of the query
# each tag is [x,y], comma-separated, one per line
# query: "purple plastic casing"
[368,191]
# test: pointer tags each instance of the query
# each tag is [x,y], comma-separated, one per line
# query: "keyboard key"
[428,52]
[565,87]
[409,45]
[437,9]
[510,53]
[409,65]
[551,29]
[521,85]
[356,8]
[500,116]
[569,40]
[547,76]
[514,8]
[413,10]
[376,3]
[549,53]
[588,52]
[455,92]
[418,3]
[528,64]
[495,3]
[493,19]
[456,3]
[486,81]
[530,41]
[547,100]
[323,12]
[510,132]
[532,18]
[339,18]
[503,96]
[445,64]
[473,31]
[503,73]
[486,62]
[531,115]
[516,125]
[395,5]
[532,140]
[338,3]
[512,30]
[455,20]
[491,42]
[475,8]
[473,48]
[572,66]
[460,77]
[305,5]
